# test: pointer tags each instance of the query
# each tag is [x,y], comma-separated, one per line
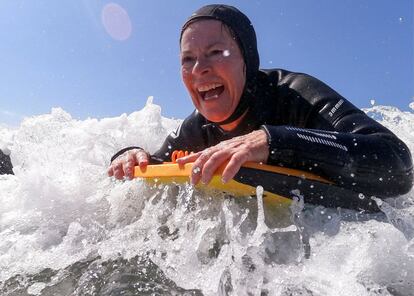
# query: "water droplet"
[380,179]
[321,197]
[355,144]
[352,175]
[361,196]
[329,217]
[312,186]
[167,153]
[169,146]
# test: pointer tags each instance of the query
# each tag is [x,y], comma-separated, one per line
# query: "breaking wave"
[68,229]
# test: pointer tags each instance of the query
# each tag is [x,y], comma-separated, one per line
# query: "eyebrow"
[208,47]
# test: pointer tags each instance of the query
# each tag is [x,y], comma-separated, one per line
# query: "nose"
[201,67]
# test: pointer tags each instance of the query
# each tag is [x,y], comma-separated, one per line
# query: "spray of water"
[68,229]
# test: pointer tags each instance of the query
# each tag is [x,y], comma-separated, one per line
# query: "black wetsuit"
[5,164]
[310,127]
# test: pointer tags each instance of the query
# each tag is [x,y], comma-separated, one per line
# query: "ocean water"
[68,229]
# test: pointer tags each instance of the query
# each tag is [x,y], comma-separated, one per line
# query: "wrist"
[122,151]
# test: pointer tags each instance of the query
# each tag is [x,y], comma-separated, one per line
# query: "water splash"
[401,219]
[65,227]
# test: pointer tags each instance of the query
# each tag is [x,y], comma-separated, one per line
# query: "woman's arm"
[376,164]
[337,140]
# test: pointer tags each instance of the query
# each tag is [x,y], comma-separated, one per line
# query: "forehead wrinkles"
[201,34]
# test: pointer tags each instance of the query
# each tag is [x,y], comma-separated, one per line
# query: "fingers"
[124,165]
[198,158]
[129,165]
[189,158]
[212,162]
[207,163]
[110,171]
[133,158]
[198,172]
[143,159]
[115,170]
[237,151]
[233,166]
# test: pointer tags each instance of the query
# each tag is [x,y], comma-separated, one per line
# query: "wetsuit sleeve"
[339,141]
[123,150]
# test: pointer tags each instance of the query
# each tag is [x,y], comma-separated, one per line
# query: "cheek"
[187,80]
[233,71]
[240,78]
[186,77]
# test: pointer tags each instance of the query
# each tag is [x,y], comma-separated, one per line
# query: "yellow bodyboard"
[172,172]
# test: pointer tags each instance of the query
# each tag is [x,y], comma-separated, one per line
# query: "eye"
[187,60]
[215,52]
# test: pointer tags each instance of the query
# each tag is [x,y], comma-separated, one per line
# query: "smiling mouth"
[210,91]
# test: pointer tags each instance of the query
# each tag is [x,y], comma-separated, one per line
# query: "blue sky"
[59,54]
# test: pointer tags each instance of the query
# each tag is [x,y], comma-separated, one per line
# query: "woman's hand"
[123,166]
[237,151]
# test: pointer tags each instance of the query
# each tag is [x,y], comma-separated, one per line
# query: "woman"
[271,116]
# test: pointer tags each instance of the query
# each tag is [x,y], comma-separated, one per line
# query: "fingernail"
[223,180]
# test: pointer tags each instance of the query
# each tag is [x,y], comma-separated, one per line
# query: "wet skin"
[213,71]
[210,56]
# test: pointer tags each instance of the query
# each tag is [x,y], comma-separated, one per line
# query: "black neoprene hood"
[246,39]
[240,24]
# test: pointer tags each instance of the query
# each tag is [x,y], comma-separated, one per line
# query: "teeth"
[209,87]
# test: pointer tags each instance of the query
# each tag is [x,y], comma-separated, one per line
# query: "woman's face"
[212,68]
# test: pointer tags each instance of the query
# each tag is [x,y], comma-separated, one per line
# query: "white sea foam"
[60,208]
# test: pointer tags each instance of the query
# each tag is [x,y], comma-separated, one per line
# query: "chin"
[215,114]
[215,118]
